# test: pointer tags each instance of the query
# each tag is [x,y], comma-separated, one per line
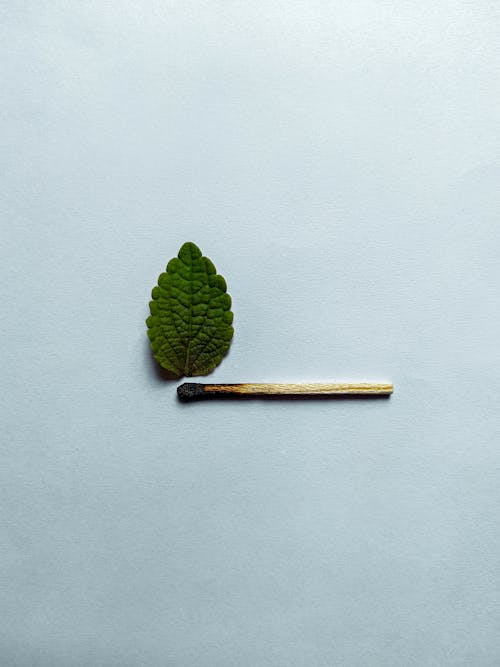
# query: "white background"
[339,163]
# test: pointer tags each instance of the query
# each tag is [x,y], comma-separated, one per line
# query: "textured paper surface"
[339,162]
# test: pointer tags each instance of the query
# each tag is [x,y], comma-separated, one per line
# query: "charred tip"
[189,391]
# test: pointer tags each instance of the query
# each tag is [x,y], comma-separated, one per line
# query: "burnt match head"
[190,391]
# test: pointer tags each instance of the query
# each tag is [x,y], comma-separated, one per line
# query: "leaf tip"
[188,252]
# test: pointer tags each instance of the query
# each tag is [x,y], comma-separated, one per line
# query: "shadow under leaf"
[157,372]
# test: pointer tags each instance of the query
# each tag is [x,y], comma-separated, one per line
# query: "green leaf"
[190,324]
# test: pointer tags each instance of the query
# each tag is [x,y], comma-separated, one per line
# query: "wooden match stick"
[192,390]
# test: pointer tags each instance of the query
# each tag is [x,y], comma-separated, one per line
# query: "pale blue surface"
[339,162]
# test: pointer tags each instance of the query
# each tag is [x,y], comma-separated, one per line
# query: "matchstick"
[193,390]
